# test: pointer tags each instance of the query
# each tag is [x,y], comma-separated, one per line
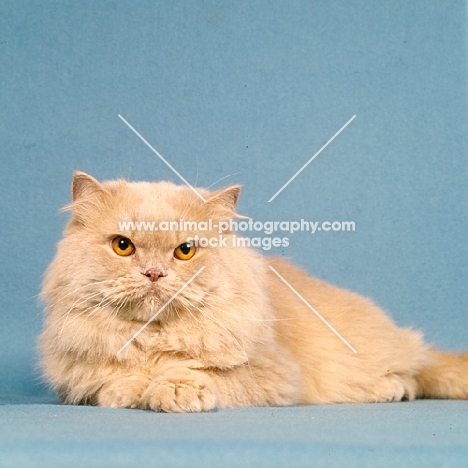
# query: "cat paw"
[394,387]
[181,390]
[123,393]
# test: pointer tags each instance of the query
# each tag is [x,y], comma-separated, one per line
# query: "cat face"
[135,272]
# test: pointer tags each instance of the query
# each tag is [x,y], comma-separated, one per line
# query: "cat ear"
[225,199]
[84,185]
[222,204]
[88,196]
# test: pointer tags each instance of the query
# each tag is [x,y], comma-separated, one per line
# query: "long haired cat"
[148,319]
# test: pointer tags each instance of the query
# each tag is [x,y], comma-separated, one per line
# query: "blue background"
[250,90]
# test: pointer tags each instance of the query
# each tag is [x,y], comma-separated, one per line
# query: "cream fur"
[236,336]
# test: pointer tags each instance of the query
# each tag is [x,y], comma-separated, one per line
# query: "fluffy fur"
[236,336]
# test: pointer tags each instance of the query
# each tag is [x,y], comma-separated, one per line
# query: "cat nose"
[153,274]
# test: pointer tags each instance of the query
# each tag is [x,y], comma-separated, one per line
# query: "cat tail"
[445,377]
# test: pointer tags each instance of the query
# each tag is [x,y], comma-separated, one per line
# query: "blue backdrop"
[249,90]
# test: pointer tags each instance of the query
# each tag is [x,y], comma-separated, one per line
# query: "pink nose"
[153,274]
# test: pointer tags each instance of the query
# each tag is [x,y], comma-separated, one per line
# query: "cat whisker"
[77,303]
[74,291]
[189,310]
[220,179]
[90,312]
[86,298]
[64,318]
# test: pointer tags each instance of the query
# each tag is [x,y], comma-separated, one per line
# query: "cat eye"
[122,246]
[185,251]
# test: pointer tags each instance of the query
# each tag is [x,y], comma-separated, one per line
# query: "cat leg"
[181,389]
[212,346]
[124,392]
[268,382]
[271,381]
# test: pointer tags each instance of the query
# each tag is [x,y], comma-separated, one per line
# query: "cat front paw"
[123,393]
[181,390]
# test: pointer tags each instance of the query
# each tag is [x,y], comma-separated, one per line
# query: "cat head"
[105,260]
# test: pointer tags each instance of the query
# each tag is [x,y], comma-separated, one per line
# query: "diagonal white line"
[312,158]
[162,158]
[161,309]
[313,310]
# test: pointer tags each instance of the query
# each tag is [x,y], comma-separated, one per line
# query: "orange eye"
[185,251]
[122,246]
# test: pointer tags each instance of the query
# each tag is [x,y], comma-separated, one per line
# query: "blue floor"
[421,433]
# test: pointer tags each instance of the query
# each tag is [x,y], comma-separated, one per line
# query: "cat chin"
[145,309]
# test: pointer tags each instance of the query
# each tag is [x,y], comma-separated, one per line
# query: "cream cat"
[234,334]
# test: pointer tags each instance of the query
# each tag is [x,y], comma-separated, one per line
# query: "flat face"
[134,245]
